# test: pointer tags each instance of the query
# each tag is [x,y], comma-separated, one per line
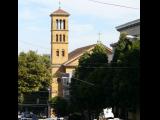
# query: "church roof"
[78,51]
[75,53]
[60,12]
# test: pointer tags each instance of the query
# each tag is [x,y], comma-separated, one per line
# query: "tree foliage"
[127,75]
[33,73]
[60,106]
[114,84]
[89,95]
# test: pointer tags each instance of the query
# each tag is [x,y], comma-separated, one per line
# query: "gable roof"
[79,51]
[60,12]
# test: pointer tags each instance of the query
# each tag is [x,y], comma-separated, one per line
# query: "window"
[63,53]
[65,81]
[57,52]
[56,38]
[63,38]
[60,38]
[64,24]
[60,24]
[57,23]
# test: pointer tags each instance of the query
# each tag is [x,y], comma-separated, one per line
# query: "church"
[63,63]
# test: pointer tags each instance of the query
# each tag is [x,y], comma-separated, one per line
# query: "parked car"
[26,119]
[50,119]
[19,116]
[60,118]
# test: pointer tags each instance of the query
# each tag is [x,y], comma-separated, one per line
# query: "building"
[131,28]
[63,63]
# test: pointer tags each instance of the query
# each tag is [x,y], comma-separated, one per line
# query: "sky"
[86,20]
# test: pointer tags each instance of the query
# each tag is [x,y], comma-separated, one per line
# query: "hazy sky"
[87,19]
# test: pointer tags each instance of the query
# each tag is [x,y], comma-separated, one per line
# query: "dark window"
[60,24]
[57,52]
[64,24]
[63,53]
[57,23]
[63,38]
[56,38]
[60,38]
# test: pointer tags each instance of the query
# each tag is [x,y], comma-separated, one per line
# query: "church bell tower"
[59,37]
[59,47]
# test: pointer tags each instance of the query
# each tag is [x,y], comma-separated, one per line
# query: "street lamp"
[49,108]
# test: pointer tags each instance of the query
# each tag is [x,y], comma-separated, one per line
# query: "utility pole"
[49,107]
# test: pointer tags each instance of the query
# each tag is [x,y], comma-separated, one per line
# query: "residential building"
[131,28]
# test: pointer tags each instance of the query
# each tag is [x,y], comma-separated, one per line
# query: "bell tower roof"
[60,12]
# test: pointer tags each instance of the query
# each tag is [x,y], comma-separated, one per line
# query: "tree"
[60,106]
[126,79]
[97,84]
[87,95]
[33,73]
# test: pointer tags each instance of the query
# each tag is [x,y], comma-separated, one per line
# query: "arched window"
[63,38]
[57,23]
[60,38]
[57,52]
[63,53]
[56,38]
[64,24]
[60,24]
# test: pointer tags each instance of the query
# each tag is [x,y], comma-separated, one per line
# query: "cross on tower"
[59,4]
[99,41]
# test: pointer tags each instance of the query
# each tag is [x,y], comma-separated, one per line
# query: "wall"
[135,30]
[56,87]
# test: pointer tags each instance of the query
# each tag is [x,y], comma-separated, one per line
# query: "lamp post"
[49,108]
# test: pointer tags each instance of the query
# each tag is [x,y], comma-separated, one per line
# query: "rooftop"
[81,50]
[78,51]
[128,24]
[60,12]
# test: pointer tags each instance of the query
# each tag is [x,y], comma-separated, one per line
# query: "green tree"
[87,94]
[33,73]
[126,78]
[60,106]
[97,84]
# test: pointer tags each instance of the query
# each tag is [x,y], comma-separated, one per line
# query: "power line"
[35,45]
[89,83]
[110,67]
[113,4]
[84,81]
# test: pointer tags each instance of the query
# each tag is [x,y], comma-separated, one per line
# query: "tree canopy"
[98,84]
[59,105]
[88,94]
[33,73]
[126,79]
